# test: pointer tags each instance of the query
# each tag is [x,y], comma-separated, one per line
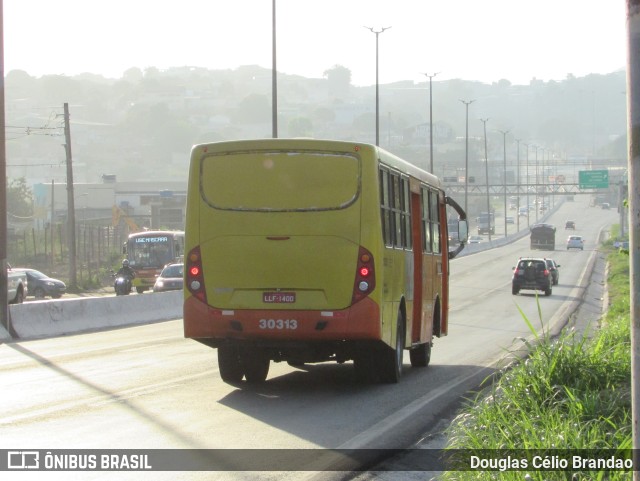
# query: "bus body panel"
[318,271]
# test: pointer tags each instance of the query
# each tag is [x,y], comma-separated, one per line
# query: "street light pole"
[543,190]
[274,77]
[527,182]
[486,173]
[536,184]
[466,156]
[377,32]
[431,121]
[504,176]
[518,185]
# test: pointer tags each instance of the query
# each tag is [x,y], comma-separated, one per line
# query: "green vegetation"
[573,392]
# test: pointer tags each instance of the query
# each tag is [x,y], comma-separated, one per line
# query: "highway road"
[147,387]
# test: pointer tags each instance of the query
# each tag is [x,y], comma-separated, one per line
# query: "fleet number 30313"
[278,324]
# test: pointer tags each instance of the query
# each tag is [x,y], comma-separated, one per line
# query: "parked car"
[575,242]
[553,269]
[570,225]
[531,273]
[170,279]
[606,205]
[510,220]
[40,285]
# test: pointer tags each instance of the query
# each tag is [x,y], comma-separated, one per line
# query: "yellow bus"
[149,251]
[308,251]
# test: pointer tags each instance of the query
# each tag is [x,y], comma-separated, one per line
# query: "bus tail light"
[365,281]
[194,278]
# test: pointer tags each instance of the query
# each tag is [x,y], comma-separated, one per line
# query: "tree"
[300,127]
[19,198]
[339,80]
[254,108]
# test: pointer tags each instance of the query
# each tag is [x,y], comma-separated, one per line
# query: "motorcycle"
[122,285]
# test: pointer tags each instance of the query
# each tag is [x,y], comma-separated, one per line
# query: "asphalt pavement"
[404,466]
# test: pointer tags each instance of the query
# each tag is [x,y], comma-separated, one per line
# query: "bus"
[149,251]
[308,251]
[543,236]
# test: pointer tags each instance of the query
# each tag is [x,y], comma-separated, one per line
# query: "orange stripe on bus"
[360,321]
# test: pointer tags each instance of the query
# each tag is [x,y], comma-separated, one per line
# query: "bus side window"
[426,226]
[406,215]
[385,207]
[396,205]
[434,217]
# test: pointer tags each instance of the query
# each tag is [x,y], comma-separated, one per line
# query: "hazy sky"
[485,40]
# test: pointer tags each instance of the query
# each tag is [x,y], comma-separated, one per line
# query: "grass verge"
[571,392]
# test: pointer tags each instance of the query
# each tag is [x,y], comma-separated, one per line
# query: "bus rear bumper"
[360,321]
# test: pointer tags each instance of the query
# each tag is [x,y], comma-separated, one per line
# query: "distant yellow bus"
[149,251]
[309,251]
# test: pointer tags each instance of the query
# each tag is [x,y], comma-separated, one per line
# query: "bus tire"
[256,366]
[420,355]
[364,365]
[390,360]
[231,370]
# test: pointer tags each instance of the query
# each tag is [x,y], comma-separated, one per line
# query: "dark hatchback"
[531,273]
[41,285]
[553,269]
[170,279]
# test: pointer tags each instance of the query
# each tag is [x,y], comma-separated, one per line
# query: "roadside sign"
[593,179]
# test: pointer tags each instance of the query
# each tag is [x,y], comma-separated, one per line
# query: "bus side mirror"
[463,230]
[463,227]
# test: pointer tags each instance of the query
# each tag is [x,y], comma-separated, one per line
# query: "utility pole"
[527,186]
[71,208]
[633,139]
[486,173]
[466,156]
[274,78]
[518,180]
[504,177]
[4,301]
[431,121]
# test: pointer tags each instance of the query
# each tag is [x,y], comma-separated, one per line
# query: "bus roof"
[319,145]
[145,233]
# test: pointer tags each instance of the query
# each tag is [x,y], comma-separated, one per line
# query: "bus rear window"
[280,181]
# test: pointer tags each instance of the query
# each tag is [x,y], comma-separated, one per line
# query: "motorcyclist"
[126,270]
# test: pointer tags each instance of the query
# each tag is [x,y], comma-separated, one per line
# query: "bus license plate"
[279,297]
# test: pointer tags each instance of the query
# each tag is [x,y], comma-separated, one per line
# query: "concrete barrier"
[33,320]
[50,318]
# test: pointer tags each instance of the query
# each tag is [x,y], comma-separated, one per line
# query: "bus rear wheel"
[390,360]
[256,366]
[420,355]
[229,364]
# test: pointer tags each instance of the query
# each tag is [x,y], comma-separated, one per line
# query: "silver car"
[575,242]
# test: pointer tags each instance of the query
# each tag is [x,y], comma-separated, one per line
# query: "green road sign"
[593,179]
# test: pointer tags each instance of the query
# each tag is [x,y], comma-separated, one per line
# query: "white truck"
[17,285]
